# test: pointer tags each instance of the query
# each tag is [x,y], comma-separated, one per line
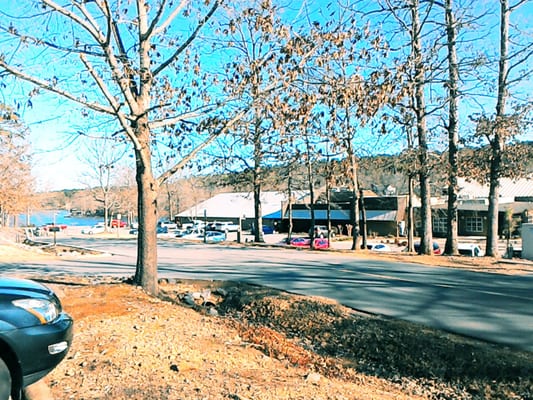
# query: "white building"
[234,206]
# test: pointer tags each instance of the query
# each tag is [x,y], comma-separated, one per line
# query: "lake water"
[60,217]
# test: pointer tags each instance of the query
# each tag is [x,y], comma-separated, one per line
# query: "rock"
[206,294]
[189,299]
[174,368]
[313,378]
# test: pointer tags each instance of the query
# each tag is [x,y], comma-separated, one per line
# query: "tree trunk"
[258,232]
[426,240]
[355,195]
[289,207]
[364,233]
[328,202]
[258,178]
[311,193]
[497,142]
[147,189]
[450,247]
[494,194]
[410,217]
[106,217]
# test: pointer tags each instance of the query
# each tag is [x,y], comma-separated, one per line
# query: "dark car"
[268,230]
[35,334]
[436,248]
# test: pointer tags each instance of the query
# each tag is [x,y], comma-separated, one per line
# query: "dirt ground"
[228,340]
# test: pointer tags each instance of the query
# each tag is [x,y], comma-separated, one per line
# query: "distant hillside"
[379,174]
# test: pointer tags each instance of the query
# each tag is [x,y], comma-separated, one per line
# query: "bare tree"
[501,130]
[353,86]
[102,160]
[413,18]
[451,246]
[129,62]
[497,152]
[426,241]
[255,31]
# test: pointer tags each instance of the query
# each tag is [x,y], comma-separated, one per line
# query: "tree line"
[194,87]
[16,183]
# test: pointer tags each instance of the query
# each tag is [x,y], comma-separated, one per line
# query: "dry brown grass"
[267,344]
[128,345]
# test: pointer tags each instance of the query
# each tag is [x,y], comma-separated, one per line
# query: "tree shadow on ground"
[452,365]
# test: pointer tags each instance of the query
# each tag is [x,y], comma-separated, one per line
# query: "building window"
[474,224]
[439,224]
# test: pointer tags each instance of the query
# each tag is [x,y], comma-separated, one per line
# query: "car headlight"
[46,311]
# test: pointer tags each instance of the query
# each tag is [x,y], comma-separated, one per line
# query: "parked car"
[436,248]
[214,236]
[35,334]
[300,242]
[318,243]
[321,231]
[469,249]
[378,247]
[268,230]
[168,224]
[189,233]
[226,227]
[51,227]
[116,223]
[98,228]
[162,231]
[321,243]
[180,232]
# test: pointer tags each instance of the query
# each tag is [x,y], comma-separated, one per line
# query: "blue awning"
[340,215]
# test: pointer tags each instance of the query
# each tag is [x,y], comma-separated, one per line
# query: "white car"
[469,249]
[379,247]
[226,227]
[168,224]
[98,228]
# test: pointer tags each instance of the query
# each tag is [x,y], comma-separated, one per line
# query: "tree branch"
[154,30]
[186,44]
[123,119]
[50,87]
[92,28]
[180,164]
[25,38]
[160,123]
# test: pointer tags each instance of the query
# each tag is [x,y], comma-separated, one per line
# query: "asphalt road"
[496,308]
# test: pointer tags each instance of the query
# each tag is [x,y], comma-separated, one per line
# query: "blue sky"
[53,121]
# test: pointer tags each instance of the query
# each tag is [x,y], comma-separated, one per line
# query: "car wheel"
[5,381]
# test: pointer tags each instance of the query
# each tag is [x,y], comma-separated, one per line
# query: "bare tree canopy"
[135,62]
[168,79]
